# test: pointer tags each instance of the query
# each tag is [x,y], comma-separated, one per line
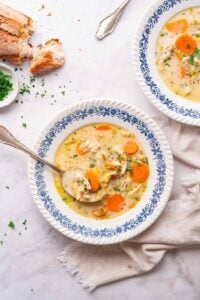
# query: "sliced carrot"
[178,55]
[178,26]
[115,202]
[131,147]
[183,71]
[140,172]
[103,127]
[186,43]
[93,178]
[99,212]
[82,149]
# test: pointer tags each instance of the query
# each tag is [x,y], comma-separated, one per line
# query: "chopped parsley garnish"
[24,223]
[92,165]
[24,125]
[116,189]
[42,82]
[81,180]
[5,85]
[119,170]
[93,159]
[32,79]
[196,54]
[24,89]
[129,161]
[11,225]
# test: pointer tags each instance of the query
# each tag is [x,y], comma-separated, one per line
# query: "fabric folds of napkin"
[177,227]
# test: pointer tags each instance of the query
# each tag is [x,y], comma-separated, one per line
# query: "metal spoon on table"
[67,176]
[109,23]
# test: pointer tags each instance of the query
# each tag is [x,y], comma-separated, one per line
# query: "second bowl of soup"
[167,58]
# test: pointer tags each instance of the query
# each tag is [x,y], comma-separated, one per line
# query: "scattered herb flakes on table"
[5,85]
[11,224]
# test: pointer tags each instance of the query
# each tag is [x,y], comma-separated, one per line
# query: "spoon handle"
[108,24]
[7,138]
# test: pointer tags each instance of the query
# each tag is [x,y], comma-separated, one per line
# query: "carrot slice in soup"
[140,172]
[178,55]
[183,71]
[131,147]
[82,149]
[186,43]
[103,127]
[115,202]
[93,178]
[178,26]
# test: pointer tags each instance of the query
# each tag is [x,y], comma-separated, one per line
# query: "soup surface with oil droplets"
[114,168]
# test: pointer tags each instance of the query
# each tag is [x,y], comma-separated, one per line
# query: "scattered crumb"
[49,14]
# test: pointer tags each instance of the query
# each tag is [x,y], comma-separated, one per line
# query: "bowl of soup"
[125,165]
[167,58]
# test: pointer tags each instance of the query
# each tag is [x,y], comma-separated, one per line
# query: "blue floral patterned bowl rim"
[157,96]
[160,191]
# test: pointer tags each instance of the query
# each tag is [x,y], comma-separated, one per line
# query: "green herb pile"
[5,85]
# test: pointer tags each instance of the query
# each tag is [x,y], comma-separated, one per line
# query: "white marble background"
[28,265]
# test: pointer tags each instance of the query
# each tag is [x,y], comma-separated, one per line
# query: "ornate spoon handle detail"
[108,24]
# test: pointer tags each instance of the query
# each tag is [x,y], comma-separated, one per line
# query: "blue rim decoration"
[158,157]
[143,46]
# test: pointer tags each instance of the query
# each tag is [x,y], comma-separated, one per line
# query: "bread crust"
[15,31]
[46,57]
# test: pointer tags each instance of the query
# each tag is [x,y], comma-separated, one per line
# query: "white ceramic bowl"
[129,224]
[159,94]
[13,93]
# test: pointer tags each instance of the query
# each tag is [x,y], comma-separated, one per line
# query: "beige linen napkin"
[178,226]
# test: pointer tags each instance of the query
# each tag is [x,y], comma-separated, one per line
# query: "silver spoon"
[67,176]
[109,23]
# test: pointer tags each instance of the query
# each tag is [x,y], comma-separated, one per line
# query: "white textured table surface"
[28,265]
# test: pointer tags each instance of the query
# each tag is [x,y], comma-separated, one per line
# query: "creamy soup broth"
[177,54]
[115,164]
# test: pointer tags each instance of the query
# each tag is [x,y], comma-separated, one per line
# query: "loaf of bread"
[15,31]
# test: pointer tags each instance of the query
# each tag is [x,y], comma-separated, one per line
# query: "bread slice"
[47,56]
[15,31]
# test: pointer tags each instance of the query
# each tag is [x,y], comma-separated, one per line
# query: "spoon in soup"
[67,176]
